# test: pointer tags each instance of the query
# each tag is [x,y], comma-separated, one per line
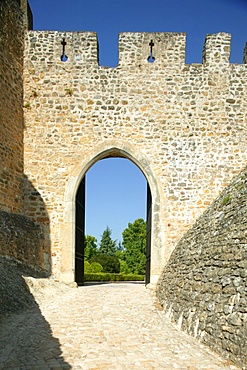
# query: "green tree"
[134,243]
[107,245]
[109,263]
[119,252]
[90,247]
[124,269]
[119,247]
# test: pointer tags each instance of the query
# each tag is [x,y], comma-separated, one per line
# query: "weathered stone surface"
[22,239]
[19,236]
[216,314]
[11,106]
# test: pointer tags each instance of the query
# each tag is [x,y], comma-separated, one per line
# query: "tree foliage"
[90,247]
[134,243]
[128,257]
[107,245]
[124,269]
[109,263]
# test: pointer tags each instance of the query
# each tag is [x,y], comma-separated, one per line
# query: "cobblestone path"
[108,326]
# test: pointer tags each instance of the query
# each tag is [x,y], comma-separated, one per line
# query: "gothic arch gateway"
[80,219]
[71,253]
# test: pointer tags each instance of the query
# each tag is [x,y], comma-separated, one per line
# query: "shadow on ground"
[26,340]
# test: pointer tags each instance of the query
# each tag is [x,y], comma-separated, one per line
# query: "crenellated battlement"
[46,46]
[166,49]
[217,48]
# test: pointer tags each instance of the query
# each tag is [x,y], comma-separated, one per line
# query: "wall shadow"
[26,340]
[26,237]
[35,209]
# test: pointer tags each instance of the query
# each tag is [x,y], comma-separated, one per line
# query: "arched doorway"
[80,208]
[122,149]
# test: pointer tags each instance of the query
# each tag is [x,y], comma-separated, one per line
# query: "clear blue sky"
[115,195]
[121,196]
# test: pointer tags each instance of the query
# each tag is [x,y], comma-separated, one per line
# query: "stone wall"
[203,287]
[20,237]
[11,106]
[183,125]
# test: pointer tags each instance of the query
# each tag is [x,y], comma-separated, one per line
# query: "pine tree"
[107,245]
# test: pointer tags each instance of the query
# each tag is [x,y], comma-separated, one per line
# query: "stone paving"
[108,326]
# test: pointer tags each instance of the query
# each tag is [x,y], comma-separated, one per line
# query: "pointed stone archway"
[80,232]
[68,230]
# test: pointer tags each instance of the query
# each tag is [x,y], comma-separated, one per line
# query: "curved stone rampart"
[203,286]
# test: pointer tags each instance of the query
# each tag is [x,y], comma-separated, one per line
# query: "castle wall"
[183,125]
[20,237]
[11,106]
[203,286]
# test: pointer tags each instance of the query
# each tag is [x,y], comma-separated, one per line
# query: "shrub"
[133,277]
[87,267]
[109,263]
[96,267]
[100,276]
[112,277]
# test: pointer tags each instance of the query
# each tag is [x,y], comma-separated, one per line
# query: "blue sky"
[115,195]
[116,189]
